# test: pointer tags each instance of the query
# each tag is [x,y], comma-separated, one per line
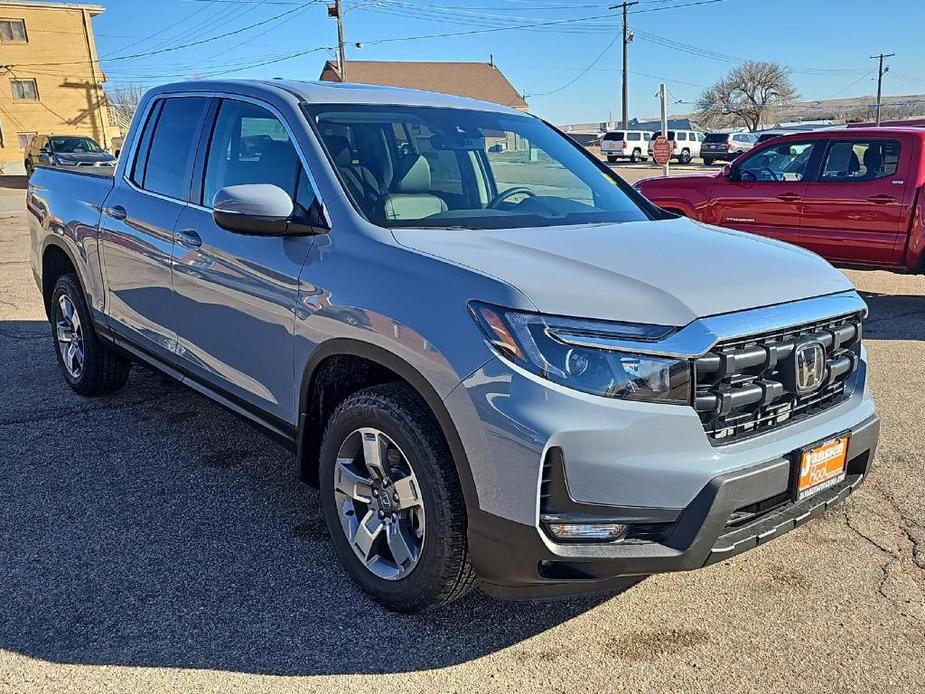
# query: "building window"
[13,31]
[25,139]
[25,90]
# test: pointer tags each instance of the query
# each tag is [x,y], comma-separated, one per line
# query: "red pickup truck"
[852,196]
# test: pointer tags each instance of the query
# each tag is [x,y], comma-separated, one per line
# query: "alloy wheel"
[69,333]
[379,503]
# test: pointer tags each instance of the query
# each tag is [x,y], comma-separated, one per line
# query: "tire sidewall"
[425,574]
[68,285]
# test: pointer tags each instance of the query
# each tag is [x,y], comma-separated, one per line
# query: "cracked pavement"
[152,542]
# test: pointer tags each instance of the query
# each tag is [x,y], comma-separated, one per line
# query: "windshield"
[73,145]
[409,166]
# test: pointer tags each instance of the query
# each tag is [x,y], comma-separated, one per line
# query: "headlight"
[537,343]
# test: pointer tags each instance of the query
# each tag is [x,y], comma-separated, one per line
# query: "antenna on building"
[491,59]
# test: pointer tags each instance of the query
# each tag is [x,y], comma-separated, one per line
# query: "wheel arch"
[57,260]
[316,403]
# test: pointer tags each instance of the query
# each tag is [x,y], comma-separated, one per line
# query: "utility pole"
[880,72]
[627,38]
[337,12]
[663,98]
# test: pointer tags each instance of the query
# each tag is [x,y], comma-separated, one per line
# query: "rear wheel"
[684,157]
[90,366]
[707,161]
[392,500]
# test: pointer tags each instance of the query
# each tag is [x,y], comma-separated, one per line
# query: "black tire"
[707,161]
[443,572]
[28,167]
[104,370]
[684,157]
[612,160]
[636,156]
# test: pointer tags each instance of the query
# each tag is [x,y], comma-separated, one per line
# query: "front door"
[137,224]
[764,192]
[236,294]
[853,211]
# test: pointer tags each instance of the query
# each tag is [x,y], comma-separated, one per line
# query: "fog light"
[587,531]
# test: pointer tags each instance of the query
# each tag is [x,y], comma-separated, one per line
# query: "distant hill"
[860,108]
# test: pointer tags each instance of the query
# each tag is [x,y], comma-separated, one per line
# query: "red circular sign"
[661,150]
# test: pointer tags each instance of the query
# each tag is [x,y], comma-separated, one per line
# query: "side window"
[786,162]
[250,145]
[682,137]
[647,136]
[634,136]
[860,160]
[169,160]
[701,137]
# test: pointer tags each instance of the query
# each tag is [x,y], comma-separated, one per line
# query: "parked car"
[851,196]
[65,150]
[503,367]
[726,146]
[626,144]
[685,144]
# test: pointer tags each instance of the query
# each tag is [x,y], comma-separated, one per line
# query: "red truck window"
[860,160]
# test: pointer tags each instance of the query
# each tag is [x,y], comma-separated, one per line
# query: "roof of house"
[41,4]
[476,80]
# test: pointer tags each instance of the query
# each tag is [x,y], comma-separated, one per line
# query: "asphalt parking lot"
[152,542]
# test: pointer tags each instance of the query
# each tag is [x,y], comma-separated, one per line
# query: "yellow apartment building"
[50,77]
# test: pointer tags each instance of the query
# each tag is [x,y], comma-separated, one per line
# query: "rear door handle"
[881,199]
[189,238]
[788,197]
[116,212]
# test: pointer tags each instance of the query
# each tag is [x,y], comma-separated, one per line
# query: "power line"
[580,74]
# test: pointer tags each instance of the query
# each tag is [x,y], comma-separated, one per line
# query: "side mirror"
[727,171]
[261,209]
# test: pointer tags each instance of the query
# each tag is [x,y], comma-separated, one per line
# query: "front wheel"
[684,157]
[636,156]
[90,366]
[393,502]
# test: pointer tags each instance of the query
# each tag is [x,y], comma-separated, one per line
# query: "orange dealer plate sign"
[822,466]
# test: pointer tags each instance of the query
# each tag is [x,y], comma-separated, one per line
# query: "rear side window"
[168,146]
[860,160]
[682,137]
[634,136]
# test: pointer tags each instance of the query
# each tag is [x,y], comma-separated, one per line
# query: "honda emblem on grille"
[809,366]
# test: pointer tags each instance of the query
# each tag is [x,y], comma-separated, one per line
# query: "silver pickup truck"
[497,361]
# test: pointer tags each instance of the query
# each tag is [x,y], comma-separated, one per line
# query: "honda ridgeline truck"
[498,362]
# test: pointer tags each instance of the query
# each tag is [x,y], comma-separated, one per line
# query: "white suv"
[685,144]
[626,144]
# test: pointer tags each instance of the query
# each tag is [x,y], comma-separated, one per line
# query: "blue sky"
[825,42]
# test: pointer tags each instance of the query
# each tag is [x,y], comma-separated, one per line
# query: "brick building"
[50,78]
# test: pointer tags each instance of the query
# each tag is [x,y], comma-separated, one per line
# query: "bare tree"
[746,96]
[123,101]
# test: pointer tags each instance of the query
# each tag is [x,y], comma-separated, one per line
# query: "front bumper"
[515,560]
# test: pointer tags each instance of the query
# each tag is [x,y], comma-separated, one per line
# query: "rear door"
[137,225]
[853,211]
[764,192]
[236,294]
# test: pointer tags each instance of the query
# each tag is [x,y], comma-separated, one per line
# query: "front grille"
[745,386]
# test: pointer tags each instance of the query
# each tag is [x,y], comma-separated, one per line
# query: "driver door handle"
[788,197]
[881,199]
[116,212]
[189,238]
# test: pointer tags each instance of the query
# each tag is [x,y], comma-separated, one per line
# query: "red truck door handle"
[788,197]
[881,199]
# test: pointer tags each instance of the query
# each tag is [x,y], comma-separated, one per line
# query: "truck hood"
[85,157]
[665,272]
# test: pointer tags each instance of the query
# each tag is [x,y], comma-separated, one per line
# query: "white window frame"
[35,88]
[29,136]
[15,20]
